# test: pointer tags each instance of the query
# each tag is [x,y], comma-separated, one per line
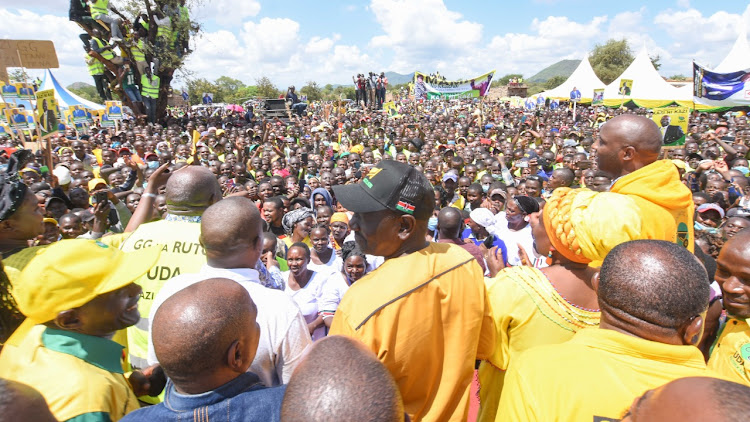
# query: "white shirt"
[334,264]
[513,238]
[284,336]
[321,294]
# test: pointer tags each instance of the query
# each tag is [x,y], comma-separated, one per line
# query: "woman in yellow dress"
[531,307]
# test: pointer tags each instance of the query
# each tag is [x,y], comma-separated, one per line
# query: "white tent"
[649,88]
[738,57]
[583,78]
[64,97]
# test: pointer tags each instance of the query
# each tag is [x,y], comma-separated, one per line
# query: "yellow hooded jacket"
[666,204]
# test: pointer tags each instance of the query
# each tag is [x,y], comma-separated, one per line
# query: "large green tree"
[506,79]
[266,88]
[312,90]
[610,59]
[554,82]
[197,87]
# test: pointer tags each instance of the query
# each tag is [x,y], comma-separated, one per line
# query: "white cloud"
[420,30]
[27,25]
[706,39]
[226,12]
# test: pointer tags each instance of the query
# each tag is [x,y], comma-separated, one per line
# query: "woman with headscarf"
[22,221]
[297,224]
[576,230]
[320,197]
[514,228]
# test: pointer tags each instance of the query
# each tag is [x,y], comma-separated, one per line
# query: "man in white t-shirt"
[231,236]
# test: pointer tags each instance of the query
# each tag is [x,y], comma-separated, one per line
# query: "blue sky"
[294,41]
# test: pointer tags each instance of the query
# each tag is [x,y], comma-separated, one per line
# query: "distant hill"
[79,85]
[397,78]
[562,68]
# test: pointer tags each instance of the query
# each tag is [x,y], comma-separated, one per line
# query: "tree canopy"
[610,59]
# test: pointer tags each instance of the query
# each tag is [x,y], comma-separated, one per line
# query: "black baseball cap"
[389,185]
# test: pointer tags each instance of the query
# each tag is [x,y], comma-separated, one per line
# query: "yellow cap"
[70,273]
[340,217]
[50,220]
[93,183]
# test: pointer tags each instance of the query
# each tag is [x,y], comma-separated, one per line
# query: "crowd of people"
[458,259]
[370,90]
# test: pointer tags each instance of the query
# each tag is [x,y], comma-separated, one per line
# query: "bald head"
[450,223]
[357,387]
[20,402]
[693,399]
[627,143]
[231,228]
[191,190]
[656,282]
[205,335]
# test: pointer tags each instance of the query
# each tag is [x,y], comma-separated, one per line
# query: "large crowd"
[455,259]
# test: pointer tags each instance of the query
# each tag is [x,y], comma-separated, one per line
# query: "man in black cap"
[424,312]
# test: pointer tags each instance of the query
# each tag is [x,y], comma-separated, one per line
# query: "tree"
[229,89]
[197,87]
[86,91]
[506,79]
[19,75]
[679,77]
[655,61]
[555,81]
[611,59]
[312,90]
[170,53]
[266,88]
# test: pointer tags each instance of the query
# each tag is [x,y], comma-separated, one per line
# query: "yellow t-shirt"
[730,356]
[78,375]
[528,312]
[427,318]
[593,377]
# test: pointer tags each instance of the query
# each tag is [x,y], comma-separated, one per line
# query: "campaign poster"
[673,124]
[78,113]
[598,97]
[721,89]
[25,91]
[114,110]
[427,87]
[9,91]
[626,87]
[46,112]
[3,107]
[106,121]
[17,118]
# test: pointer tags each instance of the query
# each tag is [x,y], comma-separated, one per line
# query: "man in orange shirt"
[424,312]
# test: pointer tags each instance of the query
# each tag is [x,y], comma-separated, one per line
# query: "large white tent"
[583,78]
[738,57]
[64,97]
[649,88]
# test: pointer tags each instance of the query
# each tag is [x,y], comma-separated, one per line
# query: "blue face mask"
[485,188]
[153,164]
[432,224]
[700,227]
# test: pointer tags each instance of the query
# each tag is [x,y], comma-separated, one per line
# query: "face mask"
[700,227]
[153,164]
[515,220]
[432,224]
[497,177]
[485,188]
[348,173]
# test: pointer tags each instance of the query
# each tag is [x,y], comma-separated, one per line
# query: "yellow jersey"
[80,376]
[426,316]
[730,355]
[593,377]
[528,312]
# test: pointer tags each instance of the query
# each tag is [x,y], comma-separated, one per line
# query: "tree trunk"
[165,79]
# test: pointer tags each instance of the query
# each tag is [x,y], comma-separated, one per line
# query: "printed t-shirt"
[730,355]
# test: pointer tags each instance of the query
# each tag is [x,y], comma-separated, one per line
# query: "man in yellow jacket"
[653,297]
[730,356]
[424,312]
[628,151]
